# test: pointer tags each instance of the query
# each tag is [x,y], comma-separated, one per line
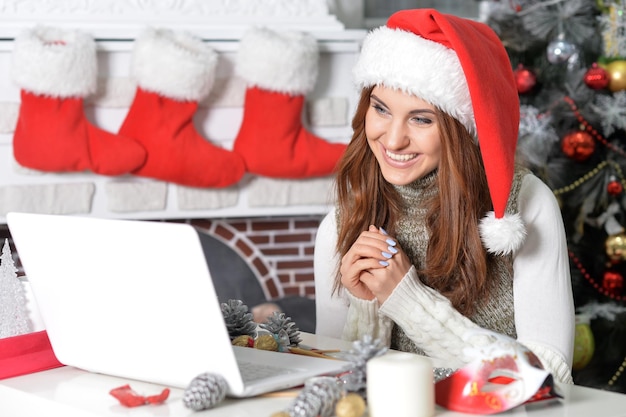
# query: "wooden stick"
[307,352]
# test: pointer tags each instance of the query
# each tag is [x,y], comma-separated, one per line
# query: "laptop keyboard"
[252,371]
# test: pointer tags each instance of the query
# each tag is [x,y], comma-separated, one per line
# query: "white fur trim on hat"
[504,235]
[284,62]
[404,61]
[176,65]
[54,62]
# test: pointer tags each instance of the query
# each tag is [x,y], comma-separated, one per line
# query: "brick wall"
[278,249]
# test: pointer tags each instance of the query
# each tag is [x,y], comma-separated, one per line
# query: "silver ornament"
[560,50]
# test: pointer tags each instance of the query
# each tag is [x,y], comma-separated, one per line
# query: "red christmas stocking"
[280,68]
[173,72]
[55,70]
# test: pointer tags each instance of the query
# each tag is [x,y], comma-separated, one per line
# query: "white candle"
[400,384]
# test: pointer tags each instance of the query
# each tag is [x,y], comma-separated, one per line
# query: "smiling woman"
[438,237]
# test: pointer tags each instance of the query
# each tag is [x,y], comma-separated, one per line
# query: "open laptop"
[135,299]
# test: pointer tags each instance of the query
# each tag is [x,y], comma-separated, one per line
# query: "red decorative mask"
[504,375]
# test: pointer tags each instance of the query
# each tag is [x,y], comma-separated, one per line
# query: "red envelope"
[26,354]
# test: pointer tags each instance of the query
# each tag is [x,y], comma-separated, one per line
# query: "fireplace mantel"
[115,19]
[221,23]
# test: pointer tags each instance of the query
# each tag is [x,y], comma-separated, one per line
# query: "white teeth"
[400,158]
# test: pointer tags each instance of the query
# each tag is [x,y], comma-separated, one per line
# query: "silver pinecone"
[279,321]
[205,391]
[362,351]
[239,321]
[318,398]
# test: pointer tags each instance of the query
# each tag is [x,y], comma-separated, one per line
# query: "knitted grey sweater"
[495,313]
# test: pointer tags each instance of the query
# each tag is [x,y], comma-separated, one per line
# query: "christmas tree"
[569,58]
[13,314]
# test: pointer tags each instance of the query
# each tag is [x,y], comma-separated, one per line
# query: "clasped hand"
[374,265]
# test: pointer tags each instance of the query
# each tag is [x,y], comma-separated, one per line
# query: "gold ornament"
[615,246]
[617,75]
[584,343]
[244,340]
[266,342]
[352,405]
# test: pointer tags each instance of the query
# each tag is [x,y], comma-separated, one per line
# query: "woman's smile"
[400,157]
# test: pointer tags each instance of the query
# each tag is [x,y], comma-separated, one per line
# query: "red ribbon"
[129,398]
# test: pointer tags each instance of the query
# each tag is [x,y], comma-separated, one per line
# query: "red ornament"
[596,77]
[614,187]
[578,145]
[613,283]
[525,79]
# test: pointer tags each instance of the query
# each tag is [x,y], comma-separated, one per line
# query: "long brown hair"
[456,261]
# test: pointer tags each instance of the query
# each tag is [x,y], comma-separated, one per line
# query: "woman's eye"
[422,120]
[379,109]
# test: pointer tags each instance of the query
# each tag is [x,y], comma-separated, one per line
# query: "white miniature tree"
[13,312]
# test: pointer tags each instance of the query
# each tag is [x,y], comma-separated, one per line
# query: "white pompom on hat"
[461,67]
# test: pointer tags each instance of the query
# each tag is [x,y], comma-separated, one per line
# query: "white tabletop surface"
[70,392]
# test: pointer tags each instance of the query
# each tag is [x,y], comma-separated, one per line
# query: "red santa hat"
[461,67]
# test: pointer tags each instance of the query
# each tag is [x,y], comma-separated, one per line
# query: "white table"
[70,392]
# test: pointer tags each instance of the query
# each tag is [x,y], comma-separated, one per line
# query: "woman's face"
[402,131]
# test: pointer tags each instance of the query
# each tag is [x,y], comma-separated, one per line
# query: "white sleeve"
[330,309]
[429,320]
[363,320]
[542,288]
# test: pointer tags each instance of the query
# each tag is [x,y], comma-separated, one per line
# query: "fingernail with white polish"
[387,255]
[383,231]
[383,263]
[391,242]
[392,249]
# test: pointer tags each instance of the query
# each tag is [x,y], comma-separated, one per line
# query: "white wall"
[373,13]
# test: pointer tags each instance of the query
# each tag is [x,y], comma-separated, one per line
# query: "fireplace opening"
[234,279]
